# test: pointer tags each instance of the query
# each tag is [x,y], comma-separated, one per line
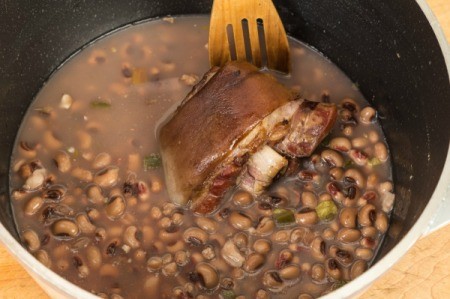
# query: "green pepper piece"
[326,210]
[100,104]
[228,294]
[283,217]
[152,161]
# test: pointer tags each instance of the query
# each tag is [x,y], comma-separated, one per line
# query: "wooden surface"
[424,272]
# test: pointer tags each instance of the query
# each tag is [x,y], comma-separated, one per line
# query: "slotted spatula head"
[249,30]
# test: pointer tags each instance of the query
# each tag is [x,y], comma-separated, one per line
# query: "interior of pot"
[386,47]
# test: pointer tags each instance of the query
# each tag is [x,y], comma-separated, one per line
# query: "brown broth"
[121,86]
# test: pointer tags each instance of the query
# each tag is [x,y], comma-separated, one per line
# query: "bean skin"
[240,221]
[347,217]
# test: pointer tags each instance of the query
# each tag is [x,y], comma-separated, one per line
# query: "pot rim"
[64,287]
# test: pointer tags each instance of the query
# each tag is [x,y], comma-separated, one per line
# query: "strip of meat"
[226,130]
[310,124]
[210,123]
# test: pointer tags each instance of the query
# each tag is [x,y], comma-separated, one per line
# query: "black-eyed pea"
[253,262]
[177,218]
[102,160]
[318,249]
[385,186]
[332,268]
[140,256]
[306,217]
[367,242]
[167,236]
[154,263]
[130,237]
[381,222]
[360,142]
[335,191]
[367,115]
[381,151]
[272,280]
[369,231]
[373,136]
[306,267]
[207,224]
[347,131]
[309,199]
[51,141]
[65,228]
[237,273]
[325,196]
[364,253]
[181,257]
[156,213]
[107,177]
[31,240]
[265,226]
[209,274]
[328,234]
[372,181]
[165,222]
[358,156]
[302,236]
[168,209]
[336,173]
[347,217]
[281,236]
[341,144]
[367,215]
[82,174]
[170,269]
[332,158]
[84,139]
[358,268]
[85,224]
[343,256]
[318,272]
[305,296]
[156,184]
[94,193]
[63,161]
[262,246]
[43,257]
[241,240]
[348,235]
[195,236]
[33,205]
[262,294]
[242,198]
[116,207]
[93,256]
[93,214]
[240,221]
[100,234]
[208,252]
[290,272]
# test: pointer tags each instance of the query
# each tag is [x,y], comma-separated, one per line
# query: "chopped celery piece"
[152,161]
[100,104]
[374,161]
[228,294]
[326,210]
[139,76]
[283,217]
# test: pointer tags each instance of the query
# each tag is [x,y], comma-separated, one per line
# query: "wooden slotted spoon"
[248,30]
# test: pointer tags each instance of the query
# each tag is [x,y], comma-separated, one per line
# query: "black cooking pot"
[387,47]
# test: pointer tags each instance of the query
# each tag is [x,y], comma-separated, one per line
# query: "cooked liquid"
[89,197]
